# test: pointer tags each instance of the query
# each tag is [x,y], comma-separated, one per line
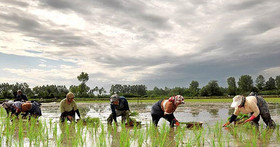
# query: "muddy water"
[208,113]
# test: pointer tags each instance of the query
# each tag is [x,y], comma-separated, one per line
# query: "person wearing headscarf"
[34,110]
[165,109]
[253,104]
[25,108]
[119,107]
[8,106]
[68,108]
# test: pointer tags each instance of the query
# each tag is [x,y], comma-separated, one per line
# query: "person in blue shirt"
[119,107]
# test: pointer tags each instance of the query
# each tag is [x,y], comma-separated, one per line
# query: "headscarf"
[178,99]
[7,105]
[114,98]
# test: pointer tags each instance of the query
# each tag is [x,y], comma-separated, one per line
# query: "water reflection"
[194,113]
[213,112]
[204,112]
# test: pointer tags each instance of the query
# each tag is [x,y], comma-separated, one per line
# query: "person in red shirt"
[165,109]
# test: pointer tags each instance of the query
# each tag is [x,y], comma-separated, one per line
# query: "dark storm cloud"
[126,10]
[15,3]
[248,4]
[231,38]
[30,26]
[182,74]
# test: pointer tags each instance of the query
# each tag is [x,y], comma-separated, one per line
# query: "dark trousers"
[169,117]
[35,110]
[264,113]
[124,114]
[64,115]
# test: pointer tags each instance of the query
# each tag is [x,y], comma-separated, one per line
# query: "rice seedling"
[124,136]
[102,137]
[140,137]
[19,132]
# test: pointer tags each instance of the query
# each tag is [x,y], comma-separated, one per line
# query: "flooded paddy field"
[47,131]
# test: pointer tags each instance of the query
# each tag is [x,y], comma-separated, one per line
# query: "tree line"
[244,85]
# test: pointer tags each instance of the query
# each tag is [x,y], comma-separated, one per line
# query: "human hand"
[246,121]
[226,124]
[177,123]
[70,117]
[250,119]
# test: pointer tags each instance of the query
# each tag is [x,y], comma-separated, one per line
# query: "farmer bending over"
[28,108]
[165,109]
[68,107]
[119,107]
[8,106]
[253,104]
[20,96]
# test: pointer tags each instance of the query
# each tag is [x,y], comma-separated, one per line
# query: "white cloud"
[138,40]
[42,65]
[271,72]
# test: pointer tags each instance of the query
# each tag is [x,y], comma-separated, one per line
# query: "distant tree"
[83,77]
[116,89]
[270,84]
[101,91]
[95,89]
[214,89]
[178,90]
[277,82]
[193,88]
[83,89]
[211,89]
[6,91]
[74,89]
[245,83]
[260,82]
[141,90]
[231,86]
[203,91]
[50,91]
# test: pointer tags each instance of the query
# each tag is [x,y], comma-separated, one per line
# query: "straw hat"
[236,101]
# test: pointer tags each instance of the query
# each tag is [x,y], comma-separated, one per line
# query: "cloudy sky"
[152,42]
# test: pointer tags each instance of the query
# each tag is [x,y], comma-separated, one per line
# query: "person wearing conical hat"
[254,104]
[165,109]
